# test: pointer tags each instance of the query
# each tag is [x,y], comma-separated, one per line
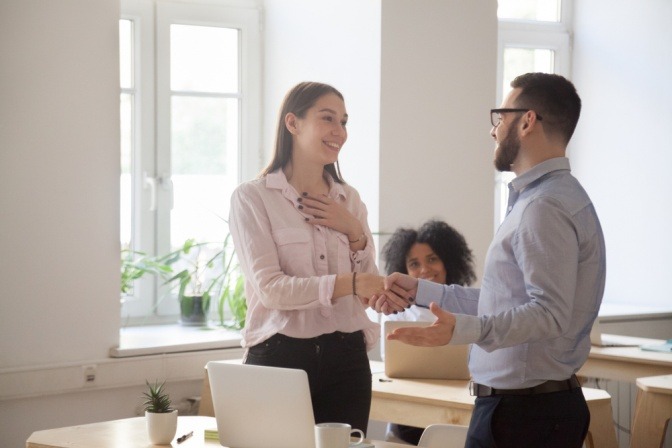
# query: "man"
[542,286]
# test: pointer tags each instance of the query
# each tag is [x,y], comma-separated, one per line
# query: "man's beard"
[508,149]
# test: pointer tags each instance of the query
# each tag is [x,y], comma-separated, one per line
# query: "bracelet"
[357,240]
[354,287]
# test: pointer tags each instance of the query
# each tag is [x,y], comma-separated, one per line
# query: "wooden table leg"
[652,412]
[601,432]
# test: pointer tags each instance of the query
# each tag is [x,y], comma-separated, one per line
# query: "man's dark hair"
[554,98]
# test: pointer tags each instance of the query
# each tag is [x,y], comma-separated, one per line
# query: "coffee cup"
[336,435]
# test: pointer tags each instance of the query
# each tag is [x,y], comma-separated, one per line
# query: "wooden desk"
[132,433]
[423,402]
[626,363]
[653,411]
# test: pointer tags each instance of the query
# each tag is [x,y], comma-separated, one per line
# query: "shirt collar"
[519,183]
[277,180]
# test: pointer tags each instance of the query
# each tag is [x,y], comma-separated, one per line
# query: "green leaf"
[156,398]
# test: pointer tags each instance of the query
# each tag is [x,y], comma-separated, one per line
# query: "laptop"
[599,340]
[446,362]
[261,407]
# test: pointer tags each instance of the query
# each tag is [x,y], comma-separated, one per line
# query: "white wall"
[59,180]
[438,80]
[337,43]
[621,151]
[59,184]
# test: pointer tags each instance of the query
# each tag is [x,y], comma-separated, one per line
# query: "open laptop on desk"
[446,362]
[261,407]
[599,340]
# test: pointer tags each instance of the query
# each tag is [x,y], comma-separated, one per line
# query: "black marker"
[185,437]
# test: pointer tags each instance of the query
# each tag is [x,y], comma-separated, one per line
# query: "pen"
[185,437]
[383,380]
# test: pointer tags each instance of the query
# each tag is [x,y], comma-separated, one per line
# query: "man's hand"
[406,282]
[439,333]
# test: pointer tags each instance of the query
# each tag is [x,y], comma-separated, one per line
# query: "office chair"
[443,435]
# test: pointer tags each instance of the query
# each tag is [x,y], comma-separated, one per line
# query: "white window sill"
[174,338]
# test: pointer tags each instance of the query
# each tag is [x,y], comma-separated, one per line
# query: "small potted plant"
[161,418]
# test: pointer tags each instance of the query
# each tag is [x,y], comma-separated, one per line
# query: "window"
[534,36]
[190,89]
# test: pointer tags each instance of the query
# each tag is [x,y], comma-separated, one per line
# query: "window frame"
[151,137]
[532,34]
[143,219]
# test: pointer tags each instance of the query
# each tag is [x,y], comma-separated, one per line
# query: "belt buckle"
[480,390]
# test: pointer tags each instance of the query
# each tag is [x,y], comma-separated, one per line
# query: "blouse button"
[321,257]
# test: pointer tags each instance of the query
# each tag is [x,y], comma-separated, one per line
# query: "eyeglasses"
[496,115]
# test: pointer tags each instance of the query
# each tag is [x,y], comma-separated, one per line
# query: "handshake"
[395,293]
[387,295]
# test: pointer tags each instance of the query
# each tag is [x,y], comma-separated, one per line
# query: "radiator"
[623,398]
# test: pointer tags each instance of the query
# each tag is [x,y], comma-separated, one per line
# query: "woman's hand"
[400,291]
[367,285]
[371,286]
[329,213]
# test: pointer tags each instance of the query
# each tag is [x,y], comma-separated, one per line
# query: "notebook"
[597,338]
[261,407]
[447,362]
[665,347]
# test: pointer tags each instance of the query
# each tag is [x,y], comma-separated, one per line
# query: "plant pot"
[194,311]
[161,427]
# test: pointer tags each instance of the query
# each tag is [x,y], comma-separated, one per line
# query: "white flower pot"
[161,427]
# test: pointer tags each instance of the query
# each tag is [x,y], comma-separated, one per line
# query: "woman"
[435,252]
[305,249]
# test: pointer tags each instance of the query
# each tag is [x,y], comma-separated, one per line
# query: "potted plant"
[204,272]
[233,298]
[161,418]
[135,265]
[201,272]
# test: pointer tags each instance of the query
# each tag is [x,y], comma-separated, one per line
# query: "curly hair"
[446,242]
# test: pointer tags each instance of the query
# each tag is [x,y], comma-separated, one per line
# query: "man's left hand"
[439,333]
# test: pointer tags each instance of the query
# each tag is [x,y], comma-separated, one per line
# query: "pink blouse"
[290,266]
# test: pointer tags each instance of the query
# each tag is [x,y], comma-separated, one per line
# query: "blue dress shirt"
[542,285]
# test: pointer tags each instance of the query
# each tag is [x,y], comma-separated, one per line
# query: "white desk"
[132,433]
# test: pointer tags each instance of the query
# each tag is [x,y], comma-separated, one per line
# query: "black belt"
[547,387]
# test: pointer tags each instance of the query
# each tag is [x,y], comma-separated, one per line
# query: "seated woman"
[435,252]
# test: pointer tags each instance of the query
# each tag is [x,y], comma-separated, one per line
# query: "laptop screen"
[261,407]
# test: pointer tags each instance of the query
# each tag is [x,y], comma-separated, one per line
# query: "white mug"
[336,435]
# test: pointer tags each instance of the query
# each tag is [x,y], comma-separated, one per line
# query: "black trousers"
[338,371]
[553,420]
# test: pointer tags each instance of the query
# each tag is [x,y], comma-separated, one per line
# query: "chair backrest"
[443,435]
